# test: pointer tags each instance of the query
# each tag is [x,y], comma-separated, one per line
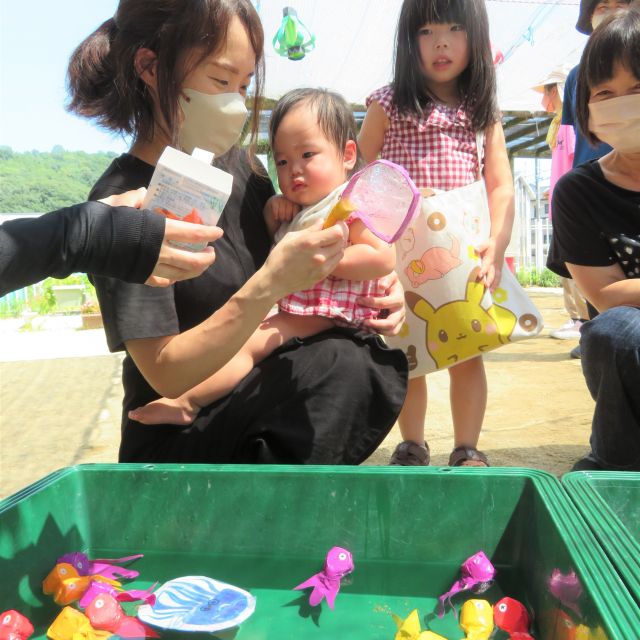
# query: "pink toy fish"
[326,584]
[476,573]
[97,588]
[512,616]
[105,567]
[106,614]
[566,588]
[14,626]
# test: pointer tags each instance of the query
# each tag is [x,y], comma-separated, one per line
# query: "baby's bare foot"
[164,411]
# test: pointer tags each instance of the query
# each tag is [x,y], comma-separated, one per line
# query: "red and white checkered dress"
[437,149]
[334,298]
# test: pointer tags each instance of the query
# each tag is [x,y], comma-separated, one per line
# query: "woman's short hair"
[477,83]
[616,40]
[102,80]
[335,117]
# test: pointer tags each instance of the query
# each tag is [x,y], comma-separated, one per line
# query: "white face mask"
[211,122]
[617,122]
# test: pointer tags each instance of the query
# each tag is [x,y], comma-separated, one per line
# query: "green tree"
[37,182]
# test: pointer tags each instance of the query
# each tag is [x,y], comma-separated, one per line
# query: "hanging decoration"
[293,39]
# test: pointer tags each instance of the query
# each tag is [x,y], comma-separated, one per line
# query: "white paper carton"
[188,188]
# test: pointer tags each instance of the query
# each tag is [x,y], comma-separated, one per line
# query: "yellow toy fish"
[476,619]
[409,629]
[74,625]
[341,211]
[585,633]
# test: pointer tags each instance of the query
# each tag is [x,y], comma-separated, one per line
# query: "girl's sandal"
[467,457]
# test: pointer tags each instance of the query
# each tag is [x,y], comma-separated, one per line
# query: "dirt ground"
[61,411]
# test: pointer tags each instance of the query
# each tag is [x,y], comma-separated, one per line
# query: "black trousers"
[328,399]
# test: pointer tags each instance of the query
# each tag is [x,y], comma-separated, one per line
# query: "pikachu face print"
[462,329]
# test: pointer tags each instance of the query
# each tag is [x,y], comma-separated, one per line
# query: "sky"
[38,36]
[36,39]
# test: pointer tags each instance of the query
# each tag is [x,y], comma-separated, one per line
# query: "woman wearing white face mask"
[596,238]
[176,72]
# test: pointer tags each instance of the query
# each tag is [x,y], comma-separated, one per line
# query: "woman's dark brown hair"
[615,40]
[102,80]
[477,83]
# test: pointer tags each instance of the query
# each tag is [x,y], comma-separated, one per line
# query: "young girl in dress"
[312,134]
[443,93]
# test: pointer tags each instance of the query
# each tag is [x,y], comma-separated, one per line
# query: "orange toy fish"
[512,616]
[191,217]
[476,619]
[67,586]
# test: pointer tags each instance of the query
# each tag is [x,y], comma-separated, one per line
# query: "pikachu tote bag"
[450,316]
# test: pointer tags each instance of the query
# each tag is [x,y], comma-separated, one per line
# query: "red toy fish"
[106,614]
[512,616]
[14,626]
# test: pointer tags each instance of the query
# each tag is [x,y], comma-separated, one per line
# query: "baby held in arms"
[312,134]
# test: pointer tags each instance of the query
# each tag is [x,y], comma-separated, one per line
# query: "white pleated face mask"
[211,122]
[617,122]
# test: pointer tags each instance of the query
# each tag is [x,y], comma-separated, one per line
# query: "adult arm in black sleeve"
[119,242]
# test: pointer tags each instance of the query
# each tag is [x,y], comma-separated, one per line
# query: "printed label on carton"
[188,189]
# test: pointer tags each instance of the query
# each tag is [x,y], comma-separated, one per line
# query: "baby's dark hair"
[102,80]
[334,114]
[477,83]
[615,40]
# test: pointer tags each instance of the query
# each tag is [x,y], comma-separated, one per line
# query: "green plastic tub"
[610,503]
[268,528]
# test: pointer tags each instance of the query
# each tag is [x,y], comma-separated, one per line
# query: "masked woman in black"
[170,72]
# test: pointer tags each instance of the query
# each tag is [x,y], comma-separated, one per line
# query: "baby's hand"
[281,209]
[491,268]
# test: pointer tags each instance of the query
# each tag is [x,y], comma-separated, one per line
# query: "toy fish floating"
[409,628]
[198,603]
[97,588]
[66,586]
[566,588]
[476,619]
[383,196]
[14,626]
[586,633]
[477,572]
[106,614]
[556,623]
[512,616]
[326,583]
[107,567]
[71,624]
